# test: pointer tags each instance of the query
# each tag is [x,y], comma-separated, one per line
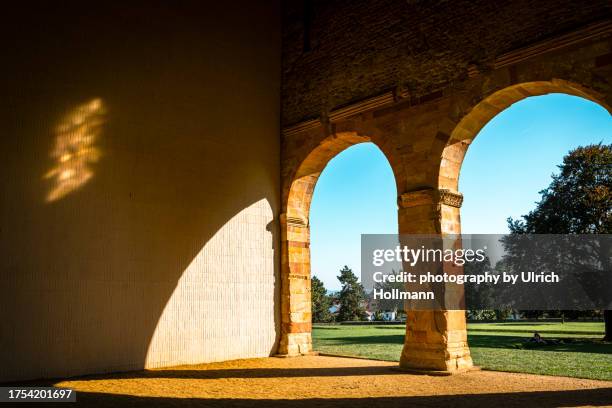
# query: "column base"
[295,344]
[436,358]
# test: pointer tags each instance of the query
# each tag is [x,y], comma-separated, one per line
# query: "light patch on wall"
[224,305]
[75,149]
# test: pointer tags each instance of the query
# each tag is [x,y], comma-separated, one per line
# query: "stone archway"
[296,316]
[425,145]
[425,137]
[438,339]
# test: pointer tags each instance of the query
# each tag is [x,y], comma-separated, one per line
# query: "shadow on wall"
[140,179]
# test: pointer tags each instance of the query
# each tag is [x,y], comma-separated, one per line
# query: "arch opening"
[516,161]
[296,306]
[513,156]
[354,195]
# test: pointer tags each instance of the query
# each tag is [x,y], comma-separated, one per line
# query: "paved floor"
[328,382]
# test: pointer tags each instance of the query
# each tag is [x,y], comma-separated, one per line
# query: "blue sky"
[506,166]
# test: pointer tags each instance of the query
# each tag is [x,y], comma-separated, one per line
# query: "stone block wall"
[341,51]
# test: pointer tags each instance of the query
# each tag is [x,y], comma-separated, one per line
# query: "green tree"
[321,302]
[484,314]
[352,296]
[577,201]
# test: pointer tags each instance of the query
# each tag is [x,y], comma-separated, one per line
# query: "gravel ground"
[330,381]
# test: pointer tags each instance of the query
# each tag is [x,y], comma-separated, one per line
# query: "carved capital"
[450,197]
[430,196]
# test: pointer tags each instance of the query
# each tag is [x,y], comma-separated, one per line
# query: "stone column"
[296,312]
[436,341]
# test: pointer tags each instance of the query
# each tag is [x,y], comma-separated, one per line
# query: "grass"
[579,351]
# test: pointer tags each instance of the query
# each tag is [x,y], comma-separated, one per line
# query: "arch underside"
[473,122]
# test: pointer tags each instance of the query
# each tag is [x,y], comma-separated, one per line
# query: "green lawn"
[494,346]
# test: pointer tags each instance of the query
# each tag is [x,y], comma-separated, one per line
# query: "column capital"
[450,197]
[430,196]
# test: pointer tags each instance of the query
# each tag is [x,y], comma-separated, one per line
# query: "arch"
[307,174]
[438,340]
[472,123]
[295,235]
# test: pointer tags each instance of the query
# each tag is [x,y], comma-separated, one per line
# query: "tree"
[352,296]
[579,198]
[577,201]
[481,314]
[321,302]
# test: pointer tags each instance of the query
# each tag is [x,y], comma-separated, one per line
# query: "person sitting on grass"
[539,340]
